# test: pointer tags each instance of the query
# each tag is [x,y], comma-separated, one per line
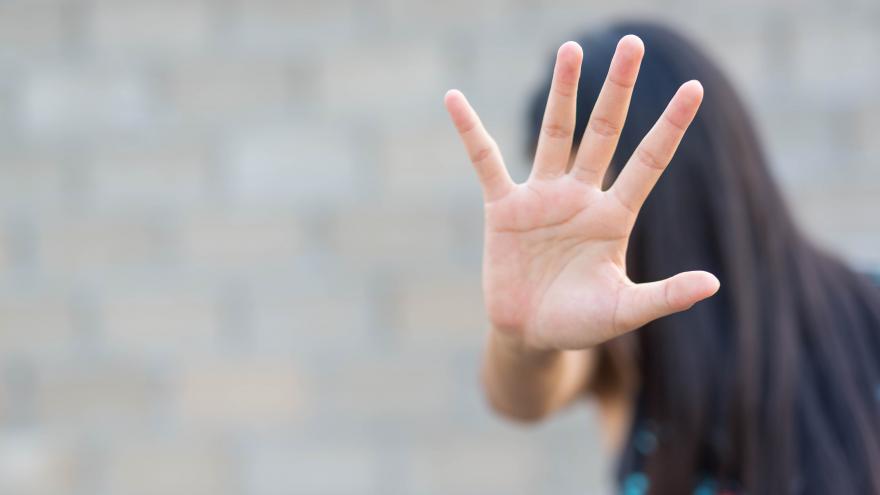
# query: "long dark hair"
[773,383]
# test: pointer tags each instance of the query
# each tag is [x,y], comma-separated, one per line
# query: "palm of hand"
[550,245]
[554,272]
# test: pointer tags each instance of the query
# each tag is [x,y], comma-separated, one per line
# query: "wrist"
[518,347]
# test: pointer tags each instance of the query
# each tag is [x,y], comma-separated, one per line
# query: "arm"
[528,384]
[554,274]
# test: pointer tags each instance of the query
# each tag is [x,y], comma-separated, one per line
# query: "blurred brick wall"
[240,243]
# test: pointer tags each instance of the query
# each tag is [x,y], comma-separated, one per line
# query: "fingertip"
[631,43]
[454,101]
[627,59]
[684,106]
[690,288]
[711,283]
[572,46]
[570,50]
[452,95]
[694,88]
[457,106]
[568,65]
[696,84]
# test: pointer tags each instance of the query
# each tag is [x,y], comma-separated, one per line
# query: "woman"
[770,385]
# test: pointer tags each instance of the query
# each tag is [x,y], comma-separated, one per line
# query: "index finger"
[557,127]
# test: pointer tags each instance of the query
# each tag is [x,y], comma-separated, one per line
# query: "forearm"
[528,384]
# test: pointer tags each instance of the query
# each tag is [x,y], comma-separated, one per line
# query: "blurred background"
[240,242]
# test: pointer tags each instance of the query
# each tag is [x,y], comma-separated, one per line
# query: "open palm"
[554,271]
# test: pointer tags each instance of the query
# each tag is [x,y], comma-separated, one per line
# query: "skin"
[554,272]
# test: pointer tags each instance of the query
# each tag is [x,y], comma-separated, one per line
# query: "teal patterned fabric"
[637,484]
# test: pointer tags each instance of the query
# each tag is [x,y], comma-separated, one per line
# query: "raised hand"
[554,272]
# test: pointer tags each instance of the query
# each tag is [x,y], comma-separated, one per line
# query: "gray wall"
[240,243]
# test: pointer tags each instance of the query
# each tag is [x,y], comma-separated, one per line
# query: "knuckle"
[603,127]
[482,154]
[565,89]
[621,83]
[649,159]
[466,127]
[668,301]
[674,123]
[556,131]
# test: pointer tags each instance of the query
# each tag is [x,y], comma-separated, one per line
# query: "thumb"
[642,303]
